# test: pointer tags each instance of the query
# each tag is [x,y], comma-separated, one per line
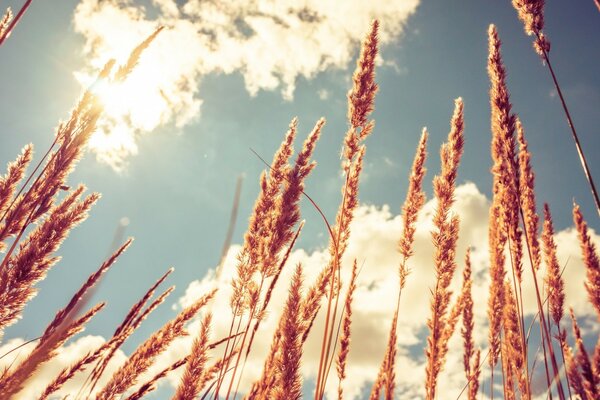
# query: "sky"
[225,78]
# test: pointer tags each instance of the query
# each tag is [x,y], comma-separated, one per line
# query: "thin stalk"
[562,353]
[543,338]
[239,356]
[582,158]
[481,363]
[335,266]
[337,336]
[525,342]
[14,22]
[543,324]
[519,300]
[504,371]
[432,356]
[19,346]
[492,382]
[223,366]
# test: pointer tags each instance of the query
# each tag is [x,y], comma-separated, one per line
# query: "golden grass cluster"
[37,215]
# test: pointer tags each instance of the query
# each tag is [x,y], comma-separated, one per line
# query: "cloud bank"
[373,242]
[270,43]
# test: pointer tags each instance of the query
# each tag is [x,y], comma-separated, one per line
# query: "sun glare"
[137,104]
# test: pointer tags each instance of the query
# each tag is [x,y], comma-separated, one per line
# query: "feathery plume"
[504,212]
[283,223]
[123,72]
[513,341]
[589,380]
[527,195]
[284,188]
[574,377]
[5,21]
[145,354]
[287,367]
[590,259]
[474,380]
[8,183]
[444,237]
[361,98]
[20,272]
[415,198]
[468,325]
[276,374]
[150,385]
[531,13]
[505,168]
[554,281]
[12,383]
[254,250]
[194,377]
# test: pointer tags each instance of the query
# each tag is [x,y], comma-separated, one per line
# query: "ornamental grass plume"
[554,280]
[35,257]
[587,384]
[444,235]
[288,384]
[145,354]
[527,198]
[5,21]
[515,353]
[415,199]
[590,259]
[194,376]
[531,13]
[503,125]
[208,373]
[250,256]
[272,225]
[14,175]
[13,381]
[470,356]
[361,98]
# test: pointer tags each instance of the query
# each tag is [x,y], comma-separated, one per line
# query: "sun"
[137,104]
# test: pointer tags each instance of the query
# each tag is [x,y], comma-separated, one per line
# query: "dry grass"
[36,219]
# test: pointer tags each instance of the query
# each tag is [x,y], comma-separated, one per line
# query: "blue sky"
[177,191]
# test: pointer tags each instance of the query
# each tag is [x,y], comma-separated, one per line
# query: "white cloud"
[271,43]
[323,94]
